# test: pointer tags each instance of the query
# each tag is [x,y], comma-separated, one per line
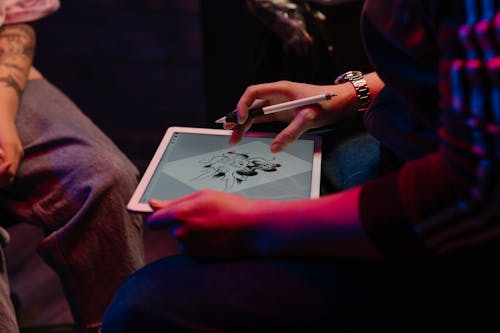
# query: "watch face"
[348,76]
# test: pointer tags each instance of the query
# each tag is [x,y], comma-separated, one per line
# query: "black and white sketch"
[233,167]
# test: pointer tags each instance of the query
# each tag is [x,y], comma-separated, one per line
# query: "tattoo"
[29,35]
[17,48]
[11,82]
[18,43]
[15,66]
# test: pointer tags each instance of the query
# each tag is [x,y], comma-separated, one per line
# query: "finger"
[6,175]
[296,128]
[239,131]
[4,167]
[229,125]
[9,165]
[258,103]
[246,101]
[259,96]
[167,213]
[242,110]
[158,204]
[6,178]
[160,219]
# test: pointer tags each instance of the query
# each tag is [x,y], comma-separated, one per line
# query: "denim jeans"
[349,158]
[74,184]
[178,294]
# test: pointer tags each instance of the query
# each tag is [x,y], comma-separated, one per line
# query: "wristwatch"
[358,81]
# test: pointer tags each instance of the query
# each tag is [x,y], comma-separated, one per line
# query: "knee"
[121,316]
[91,180]
[153,299]
[105,169]
[130,310]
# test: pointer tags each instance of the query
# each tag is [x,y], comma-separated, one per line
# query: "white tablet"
[190,159]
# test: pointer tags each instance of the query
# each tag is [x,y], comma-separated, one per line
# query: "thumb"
[157,203]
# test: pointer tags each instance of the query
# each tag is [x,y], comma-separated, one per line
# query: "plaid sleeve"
[450,200]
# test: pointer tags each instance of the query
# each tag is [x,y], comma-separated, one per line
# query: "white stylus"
[232,117]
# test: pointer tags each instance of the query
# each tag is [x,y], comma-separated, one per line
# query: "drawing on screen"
[233,168]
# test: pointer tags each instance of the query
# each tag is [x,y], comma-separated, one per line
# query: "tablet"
[189,159]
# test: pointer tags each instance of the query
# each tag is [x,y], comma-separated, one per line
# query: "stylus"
[232,117]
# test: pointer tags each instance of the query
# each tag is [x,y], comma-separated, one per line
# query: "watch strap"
[357,79]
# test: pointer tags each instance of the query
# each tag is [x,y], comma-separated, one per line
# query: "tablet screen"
[191,159]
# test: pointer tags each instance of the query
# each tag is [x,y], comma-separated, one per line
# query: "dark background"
[136,67]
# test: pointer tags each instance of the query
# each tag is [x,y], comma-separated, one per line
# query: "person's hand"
[11,152]
[217,225]
[220,225]
[300,120]
[209,223]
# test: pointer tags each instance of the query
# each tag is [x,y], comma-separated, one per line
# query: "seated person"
[59,172]
[412,248]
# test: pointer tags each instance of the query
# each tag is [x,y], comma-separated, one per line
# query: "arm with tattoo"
[17,47]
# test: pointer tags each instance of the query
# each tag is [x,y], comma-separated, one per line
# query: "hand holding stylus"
[306,107]
[252,113]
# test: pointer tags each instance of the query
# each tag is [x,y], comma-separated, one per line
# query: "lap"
[66,157]
[292,295]
[350,158]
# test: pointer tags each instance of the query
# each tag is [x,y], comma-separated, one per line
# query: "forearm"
[17,45]
[328,226]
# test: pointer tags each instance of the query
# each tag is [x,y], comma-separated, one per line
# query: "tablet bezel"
[134,203]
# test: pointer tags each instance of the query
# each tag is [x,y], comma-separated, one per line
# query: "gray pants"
[74,184]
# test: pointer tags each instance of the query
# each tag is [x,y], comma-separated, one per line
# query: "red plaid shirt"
[443,59]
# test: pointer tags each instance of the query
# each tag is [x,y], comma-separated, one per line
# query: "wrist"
[358,82]
[9,105]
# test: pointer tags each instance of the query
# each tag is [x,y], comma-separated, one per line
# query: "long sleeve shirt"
[440,60]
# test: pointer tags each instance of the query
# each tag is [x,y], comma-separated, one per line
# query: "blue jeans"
[349,158]
[177,294]
[74,184]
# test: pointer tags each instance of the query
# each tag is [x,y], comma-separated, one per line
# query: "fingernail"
[154,202]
